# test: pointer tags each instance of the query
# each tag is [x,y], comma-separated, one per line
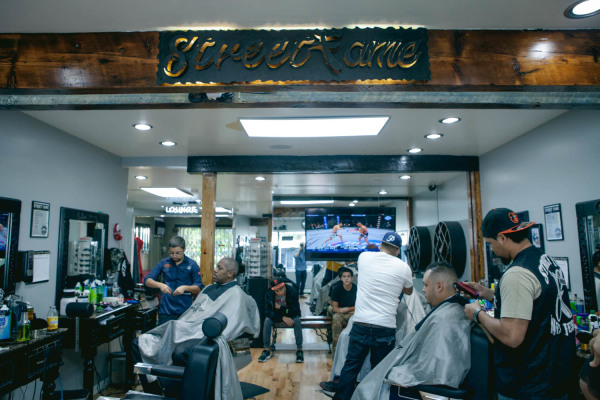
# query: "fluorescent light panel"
[314,126]
[167,192]
[303,202]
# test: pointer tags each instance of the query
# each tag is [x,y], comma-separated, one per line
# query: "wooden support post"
[207,244]
[409,214]
[270,247]
[474,195]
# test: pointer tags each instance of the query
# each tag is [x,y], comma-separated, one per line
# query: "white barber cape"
[439,353]
[411,310]
[157,345]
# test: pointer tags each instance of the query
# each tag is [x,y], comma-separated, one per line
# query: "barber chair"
[479,382]
[198,376]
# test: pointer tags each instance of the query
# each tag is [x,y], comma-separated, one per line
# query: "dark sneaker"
[329,387]
[266,354]
[299,356]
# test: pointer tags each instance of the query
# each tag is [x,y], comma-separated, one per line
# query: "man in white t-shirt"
[382,278]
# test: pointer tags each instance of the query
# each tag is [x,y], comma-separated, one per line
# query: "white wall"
[557,162]
[39,162]
[448,202]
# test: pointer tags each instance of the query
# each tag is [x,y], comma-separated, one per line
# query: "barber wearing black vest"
[532,323]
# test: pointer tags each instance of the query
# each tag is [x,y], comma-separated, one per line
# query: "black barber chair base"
[198,376]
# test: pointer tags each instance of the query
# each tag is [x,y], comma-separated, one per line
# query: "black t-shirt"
[344,298]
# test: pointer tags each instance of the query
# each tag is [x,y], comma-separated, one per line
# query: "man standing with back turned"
[382,278]
[533,324]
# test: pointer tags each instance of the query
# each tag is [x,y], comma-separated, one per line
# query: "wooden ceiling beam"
[460,61]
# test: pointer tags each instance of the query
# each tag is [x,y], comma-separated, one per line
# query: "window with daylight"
[192,236]
[143,232]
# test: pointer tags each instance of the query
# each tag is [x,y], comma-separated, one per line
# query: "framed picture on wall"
[553,220]
[536,236]
[563,264]
[40,219]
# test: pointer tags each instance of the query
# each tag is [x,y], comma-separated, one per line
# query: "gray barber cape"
[156,346]
[439,353]
[411,310]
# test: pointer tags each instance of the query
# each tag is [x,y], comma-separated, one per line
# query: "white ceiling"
[151,15]
[217,131]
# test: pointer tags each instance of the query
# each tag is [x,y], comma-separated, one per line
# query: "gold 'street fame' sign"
[326,55]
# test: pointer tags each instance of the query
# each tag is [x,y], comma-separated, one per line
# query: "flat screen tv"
[345,232]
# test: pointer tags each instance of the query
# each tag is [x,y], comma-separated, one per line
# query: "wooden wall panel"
[126,62]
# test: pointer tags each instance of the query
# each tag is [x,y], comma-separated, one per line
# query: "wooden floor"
[283,376]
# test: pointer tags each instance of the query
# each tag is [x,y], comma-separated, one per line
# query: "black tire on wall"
[449,245]
[418,250]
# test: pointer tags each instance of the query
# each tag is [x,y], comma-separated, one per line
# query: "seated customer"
[343,297]
[438,352]
[281,305]
[157,345]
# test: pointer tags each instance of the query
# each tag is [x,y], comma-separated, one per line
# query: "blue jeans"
[301,281]
[268,327]
[380,341]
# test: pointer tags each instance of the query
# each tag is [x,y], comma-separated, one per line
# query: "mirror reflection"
[82,243]
[85,241]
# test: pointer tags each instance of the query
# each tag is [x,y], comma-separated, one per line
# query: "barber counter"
[86,333]
[24,362]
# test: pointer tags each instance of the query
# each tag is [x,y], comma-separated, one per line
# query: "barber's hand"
[179,291]
[288,321]
[484,292]
[470,309]
[165,288]
[595,349]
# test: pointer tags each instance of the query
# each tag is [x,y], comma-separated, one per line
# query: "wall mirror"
[10,217]
[588,228]
[82,242]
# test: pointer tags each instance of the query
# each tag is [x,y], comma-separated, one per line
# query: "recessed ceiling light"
[382,192]
[434,136]
[449,120]
[168,143]
[260,178]
[355,201]
[415,150]
[313,126]
[351,204]
[167,192]
[405,177]
[141,177]
[142,127]
[583,9]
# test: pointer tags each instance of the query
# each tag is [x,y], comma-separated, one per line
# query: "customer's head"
[177,248]
[225,271]
[346,275]
[278,286]
[438,282]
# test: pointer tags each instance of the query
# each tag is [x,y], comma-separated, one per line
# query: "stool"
[111,357]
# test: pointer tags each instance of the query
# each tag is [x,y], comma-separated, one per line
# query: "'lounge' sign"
[200,57]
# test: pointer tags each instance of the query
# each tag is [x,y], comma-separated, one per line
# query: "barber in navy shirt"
[180,275]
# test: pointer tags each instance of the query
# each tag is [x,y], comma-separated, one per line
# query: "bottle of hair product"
[52,319]
[24,326]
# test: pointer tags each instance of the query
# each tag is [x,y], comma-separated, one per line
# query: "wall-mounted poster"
[537,237]
[40,219]
[553,219]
